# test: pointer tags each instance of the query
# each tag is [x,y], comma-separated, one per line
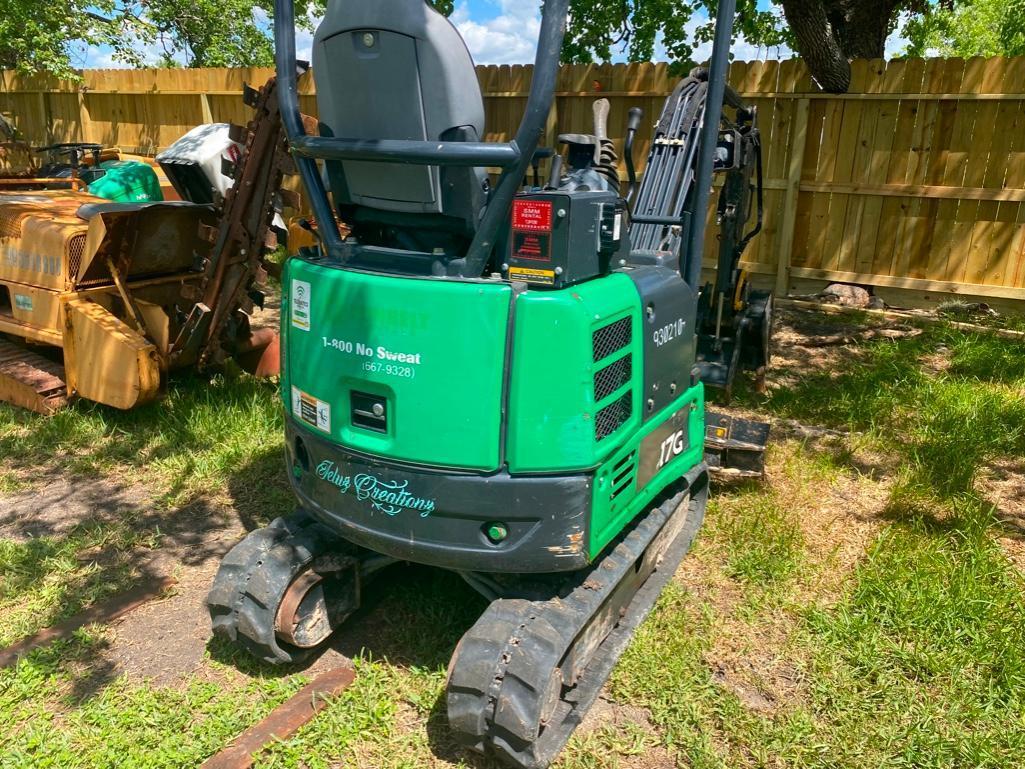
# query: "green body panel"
[434,349]
[551,405]
[612,510]
[127,181]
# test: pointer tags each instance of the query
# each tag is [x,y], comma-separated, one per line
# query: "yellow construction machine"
[100,299]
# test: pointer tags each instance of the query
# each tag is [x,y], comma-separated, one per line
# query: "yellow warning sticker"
[312,411]
[544,277]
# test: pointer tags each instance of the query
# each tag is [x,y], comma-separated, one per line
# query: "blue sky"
[496,31]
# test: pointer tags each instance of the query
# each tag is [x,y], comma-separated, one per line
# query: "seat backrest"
[397,69]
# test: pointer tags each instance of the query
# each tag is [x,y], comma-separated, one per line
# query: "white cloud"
[103,58]
[303,44]
[896,45]
[511,37]
[508,38]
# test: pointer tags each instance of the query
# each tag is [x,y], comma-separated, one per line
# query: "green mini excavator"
[500,379]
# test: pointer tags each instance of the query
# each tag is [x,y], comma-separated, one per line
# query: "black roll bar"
[288,101]
[532,128]
[401,151]
[717,74]
[514,157]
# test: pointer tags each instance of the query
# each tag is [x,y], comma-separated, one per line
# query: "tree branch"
[818,44]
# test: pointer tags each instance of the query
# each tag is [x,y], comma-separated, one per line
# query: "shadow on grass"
[260,490]
[926,650]
[53,577]
[411,616]
[940,427]
[195,435]
[133,494]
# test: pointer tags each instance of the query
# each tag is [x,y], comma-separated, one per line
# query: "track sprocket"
[256,576]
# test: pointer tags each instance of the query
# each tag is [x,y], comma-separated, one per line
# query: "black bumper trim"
[439,518]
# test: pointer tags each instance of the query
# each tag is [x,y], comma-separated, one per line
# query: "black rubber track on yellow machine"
[500,673]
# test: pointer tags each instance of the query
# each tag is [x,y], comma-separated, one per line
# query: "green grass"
[764,541]
[217,437]
[924,661]
[11,484]
[913,657]
[940,428]
[47,579]
[208,435]
[920,664]
[54,716]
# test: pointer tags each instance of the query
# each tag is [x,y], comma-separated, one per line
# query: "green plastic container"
[127,181]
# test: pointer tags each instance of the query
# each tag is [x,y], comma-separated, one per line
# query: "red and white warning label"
[532,215]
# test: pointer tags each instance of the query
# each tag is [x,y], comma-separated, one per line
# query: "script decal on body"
[388,497]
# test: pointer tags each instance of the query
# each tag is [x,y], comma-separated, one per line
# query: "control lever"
[633,122]
[601,119]
[606,159]
[555,177]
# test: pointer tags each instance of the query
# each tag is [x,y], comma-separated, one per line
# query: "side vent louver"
[612,377]
[610,418]
[608,339]
[623,475]
[606,342]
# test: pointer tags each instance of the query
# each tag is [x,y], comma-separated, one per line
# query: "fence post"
[84,123]
[789,224]
[204,103]
[44,112]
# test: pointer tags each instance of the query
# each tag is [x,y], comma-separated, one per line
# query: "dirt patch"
[270,315]
[1003,483]
[165,641]
[606,712]
[624,721]
[56,507]
[791,358]
[754,653]
[937,362]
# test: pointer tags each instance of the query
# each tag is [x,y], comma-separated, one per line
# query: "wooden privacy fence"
[914,180]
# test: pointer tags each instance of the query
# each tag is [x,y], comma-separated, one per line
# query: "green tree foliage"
[600,28]
[36,36]
[969,28]
[42,35]
[827,33]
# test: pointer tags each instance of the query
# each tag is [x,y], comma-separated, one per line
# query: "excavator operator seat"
[398,69]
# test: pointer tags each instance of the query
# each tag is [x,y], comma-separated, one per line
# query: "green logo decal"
[301,304]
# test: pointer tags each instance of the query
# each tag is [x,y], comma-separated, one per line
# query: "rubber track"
[31,381]
[501,670]
[252,579]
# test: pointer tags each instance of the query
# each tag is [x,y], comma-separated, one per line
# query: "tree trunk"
[818,44]
[830,33]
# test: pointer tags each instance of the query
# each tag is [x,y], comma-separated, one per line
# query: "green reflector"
[497,532]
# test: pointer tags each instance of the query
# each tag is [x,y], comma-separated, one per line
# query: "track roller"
[523,677]
[284,589]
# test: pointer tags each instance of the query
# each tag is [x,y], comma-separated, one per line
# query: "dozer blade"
[31,381]
[735,447]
